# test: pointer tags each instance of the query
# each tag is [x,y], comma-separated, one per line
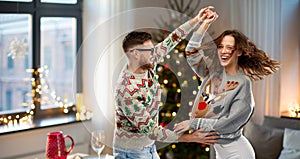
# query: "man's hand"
[203,14]
[200,137]
[207,18]
[182,127]
[210,17]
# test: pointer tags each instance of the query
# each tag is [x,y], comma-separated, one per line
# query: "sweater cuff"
[198,123]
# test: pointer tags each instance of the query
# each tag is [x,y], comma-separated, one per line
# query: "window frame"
[38,10]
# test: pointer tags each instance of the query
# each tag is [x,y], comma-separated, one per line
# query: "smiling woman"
[226,90]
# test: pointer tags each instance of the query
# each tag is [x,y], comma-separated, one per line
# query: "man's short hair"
[135,38]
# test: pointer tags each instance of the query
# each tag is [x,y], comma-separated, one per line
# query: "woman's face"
[228,56]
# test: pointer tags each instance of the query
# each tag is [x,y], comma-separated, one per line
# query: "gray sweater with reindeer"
[224,102]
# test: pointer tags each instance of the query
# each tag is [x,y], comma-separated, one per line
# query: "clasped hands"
[206,15]
[197,136]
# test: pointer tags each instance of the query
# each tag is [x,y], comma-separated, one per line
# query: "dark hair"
[135,38]
[256,64]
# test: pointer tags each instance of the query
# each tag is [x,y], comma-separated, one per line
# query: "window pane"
[60,1]
[58,54]
[15,57]
[17,0]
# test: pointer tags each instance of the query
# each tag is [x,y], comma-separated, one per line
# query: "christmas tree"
[179,84]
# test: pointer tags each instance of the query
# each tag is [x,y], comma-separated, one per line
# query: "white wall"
[290,70]
[31,144]
[103,21]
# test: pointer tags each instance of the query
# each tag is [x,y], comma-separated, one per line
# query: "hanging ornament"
[163,124]
[17,48]
[166,67]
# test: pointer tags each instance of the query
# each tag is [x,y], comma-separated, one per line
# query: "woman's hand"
[182,127]
[200,137]
[211,16]
[207,17]
[204,13]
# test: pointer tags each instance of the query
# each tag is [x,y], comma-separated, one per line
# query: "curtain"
[102,54]
[261,22]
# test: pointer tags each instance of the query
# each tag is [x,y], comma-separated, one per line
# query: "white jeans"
[239,149]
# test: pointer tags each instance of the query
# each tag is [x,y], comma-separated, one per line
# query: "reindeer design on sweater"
[209,96]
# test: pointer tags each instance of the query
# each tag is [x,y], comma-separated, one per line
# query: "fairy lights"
[194,92]
[295,110]
[173,62]
[40,87]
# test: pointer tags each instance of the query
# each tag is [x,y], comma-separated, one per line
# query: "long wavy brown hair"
[255,63]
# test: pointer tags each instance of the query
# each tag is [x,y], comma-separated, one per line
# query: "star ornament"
[17,48]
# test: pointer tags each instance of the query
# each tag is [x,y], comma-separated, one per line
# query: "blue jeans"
[147,152]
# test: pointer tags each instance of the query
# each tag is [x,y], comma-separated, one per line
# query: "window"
[26,62]
[8,100]
[60,1]
[46,53]
[39,41]
[68,58]
[58,38]
[10,63]
[17,0]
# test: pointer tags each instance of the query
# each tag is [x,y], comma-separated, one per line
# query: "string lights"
[41,94]
[295,110]
[168,83]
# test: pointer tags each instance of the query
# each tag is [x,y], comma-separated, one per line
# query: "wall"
[290,70]
[32,143]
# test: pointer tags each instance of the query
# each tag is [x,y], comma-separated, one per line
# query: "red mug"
[56,148]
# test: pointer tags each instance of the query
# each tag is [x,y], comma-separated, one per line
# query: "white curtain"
[102,51]
[260,21]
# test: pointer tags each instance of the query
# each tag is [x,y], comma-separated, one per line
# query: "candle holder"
[79,102]
[83,112]
[295,111]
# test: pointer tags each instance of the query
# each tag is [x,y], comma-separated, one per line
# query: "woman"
[224,104]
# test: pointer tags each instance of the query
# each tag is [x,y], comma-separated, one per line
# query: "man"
[138,96]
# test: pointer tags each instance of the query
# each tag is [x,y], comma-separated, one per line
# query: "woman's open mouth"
[225,57]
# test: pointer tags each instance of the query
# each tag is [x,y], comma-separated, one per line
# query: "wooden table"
[87,156]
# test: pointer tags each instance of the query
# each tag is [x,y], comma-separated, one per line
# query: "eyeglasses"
[228,48]
[138,49]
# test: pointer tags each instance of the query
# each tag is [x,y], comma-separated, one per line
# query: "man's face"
[145,55]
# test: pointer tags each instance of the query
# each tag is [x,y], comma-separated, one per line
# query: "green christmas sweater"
[137,99]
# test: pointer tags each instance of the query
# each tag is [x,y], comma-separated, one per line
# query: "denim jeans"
[147,152]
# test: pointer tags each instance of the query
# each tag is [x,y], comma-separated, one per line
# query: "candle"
[79,101]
